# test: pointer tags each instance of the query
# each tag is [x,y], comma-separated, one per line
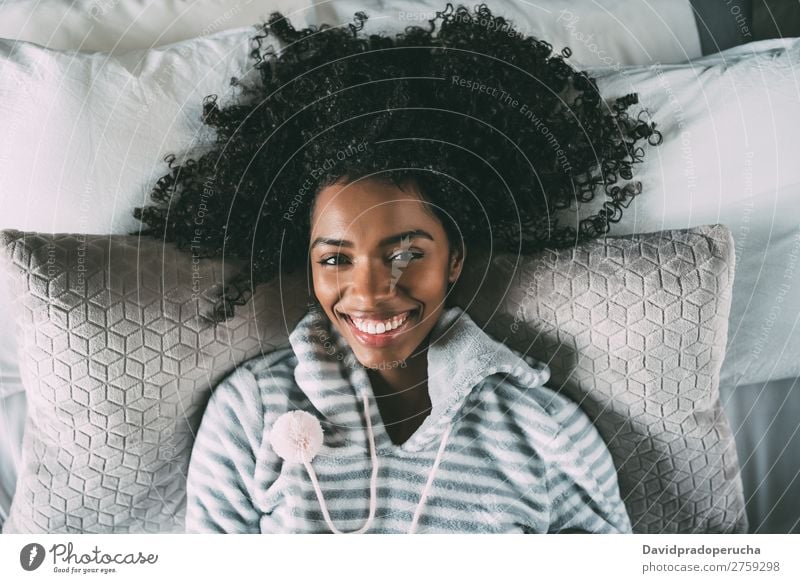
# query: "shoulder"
[559,431]
[279,360]
[258,379]
[540,409]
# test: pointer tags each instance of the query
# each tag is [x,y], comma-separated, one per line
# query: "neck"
[404,388]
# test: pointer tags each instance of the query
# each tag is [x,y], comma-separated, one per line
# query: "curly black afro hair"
[497,131]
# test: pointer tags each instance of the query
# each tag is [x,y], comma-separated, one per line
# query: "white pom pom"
[296,436]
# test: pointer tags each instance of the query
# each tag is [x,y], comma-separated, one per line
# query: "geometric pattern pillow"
[118,365]
[634,330]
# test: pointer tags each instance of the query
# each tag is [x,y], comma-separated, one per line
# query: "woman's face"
[367,272]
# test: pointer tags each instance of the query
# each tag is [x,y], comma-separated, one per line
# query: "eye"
[413,255]
[325,262]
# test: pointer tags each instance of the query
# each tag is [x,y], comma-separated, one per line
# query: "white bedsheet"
[12,420]
[765,419]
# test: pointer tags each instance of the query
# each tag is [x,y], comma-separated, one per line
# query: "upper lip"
[376,315]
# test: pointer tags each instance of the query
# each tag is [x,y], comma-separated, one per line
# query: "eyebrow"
[413,234]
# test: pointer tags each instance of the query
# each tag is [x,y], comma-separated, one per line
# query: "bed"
[697,66]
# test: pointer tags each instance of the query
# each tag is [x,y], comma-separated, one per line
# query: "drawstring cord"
[297,436]
[373,482]
[424,495]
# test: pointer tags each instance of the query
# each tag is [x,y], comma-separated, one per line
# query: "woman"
[376,164]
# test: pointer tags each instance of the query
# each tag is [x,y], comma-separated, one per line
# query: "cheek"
[424,282]
[428,281]
[325,284]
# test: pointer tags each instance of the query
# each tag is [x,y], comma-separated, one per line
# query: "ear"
[312,294]
[457,259]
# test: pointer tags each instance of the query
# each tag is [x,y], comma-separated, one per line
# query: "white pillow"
[730,156]
[85,134]
[118,26]
[601,32]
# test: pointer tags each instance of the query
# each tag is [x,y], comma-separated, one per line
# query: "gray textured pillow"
[118,367]
[634,330]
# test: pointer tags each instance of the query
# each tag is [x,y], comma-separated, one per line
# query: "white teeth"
[372,327]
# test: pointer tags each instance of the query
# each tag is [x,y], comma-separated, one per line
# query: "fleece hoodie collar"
[460,356]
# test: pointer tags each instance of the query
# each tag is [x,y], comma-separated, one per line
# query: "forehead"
[368,210]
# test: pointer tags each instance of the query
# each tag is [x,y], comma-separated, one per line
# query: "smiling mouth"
[372,333]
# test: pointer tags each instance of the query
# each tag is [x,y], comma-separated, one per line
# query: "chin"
[379,359]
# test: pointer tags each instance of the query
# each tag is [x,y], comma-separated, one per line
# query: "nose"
[373,282]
